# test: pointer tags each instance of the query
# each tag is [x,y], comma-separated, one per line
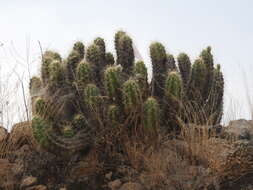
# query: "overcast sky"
[181,25]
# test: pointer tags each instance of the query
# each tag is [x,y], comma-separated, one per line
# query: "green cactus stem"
[131,95]
[159,65]
[109,59]
[171,62]
[113,82]
[151,114]
[83,74]
[91,96]
[184,65]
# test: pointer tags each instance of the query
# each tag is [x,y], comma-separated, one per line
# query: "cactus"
[131,95]
[95,93]
[40,106]
[172,100]
[113,114]
[171,63]
[151,114]
[101,44]
[56,76]
[72,62]
[117,37]
[91,96]
[83,74]
[141,76]
[113,81]
[39,127]
[79,47]
[95,56]
[207,57]
[216,100]
[173,85]
[79,121]
[159,65]
[125,53]
[184,65]
[47,58]
[109,59]
[198,81]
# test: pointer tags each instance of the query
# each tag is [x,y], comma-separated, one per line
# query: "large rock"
[3,133]
[20,135]
[230,161]
[239,129]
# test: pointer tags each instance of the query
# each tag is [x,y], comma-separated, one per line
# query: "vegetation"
[89,89]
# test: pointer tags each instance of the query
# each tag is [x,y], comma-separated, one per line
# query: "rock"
[108,176]
[114,185]
[20,135]
[37,187]
[132,186]
[6,174]
[28,182]
[3,133]
[239,129]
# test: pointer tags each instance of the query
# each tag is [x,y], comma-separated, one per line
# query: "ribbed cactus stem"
[72,61]
[47,58]
[117,37]
[207,57]
[173,85]
[101,44]
[217,95]
[79,47]
[141,76]
[40,106]
[125,54]
[113,81]
[109,59]
[39,126]
[184,65]
[94,56]
[131,95]
[198,80]
[159,65]
[171,62]
[83,74]
[151,114]
[57,77]
[91,96]
[113,114]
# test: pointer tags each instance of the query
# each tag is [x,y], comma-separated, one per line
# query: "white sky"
[181,25]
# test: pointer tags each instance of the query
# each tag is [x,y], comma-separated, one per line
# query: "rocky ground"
[219,159]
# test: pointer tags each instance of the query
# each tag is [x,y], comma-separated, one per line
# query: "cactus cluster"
[89,90]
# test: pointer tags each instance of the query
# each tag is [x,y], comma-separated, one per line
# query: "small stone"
[132,186]
[28,182]
[37,187]
[108,176]
[114,185]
